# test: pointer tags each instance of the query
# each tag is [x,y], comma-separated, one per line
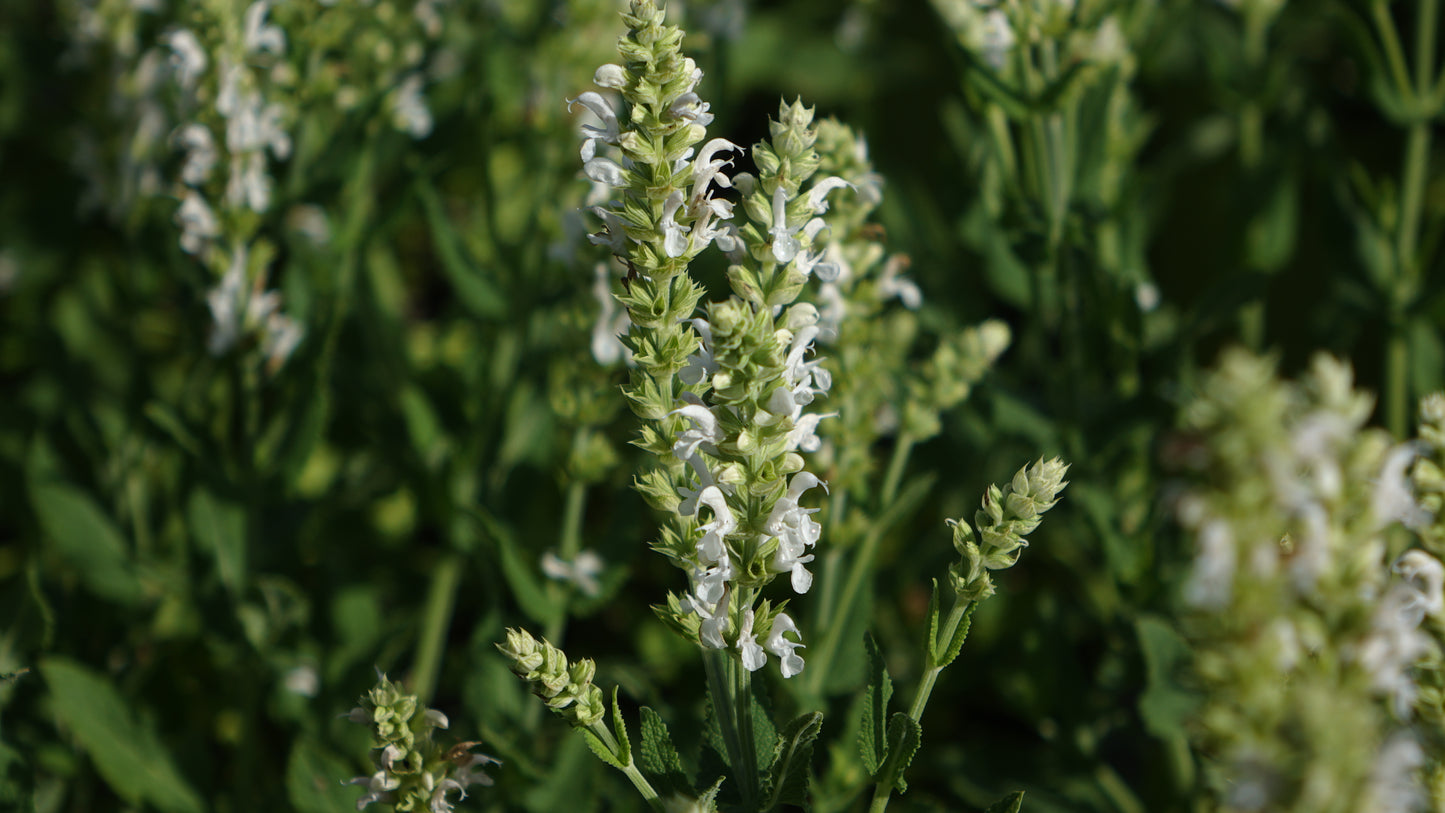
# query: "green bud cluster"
[566,688]
[1007,516]
[413,770]
[1428,474]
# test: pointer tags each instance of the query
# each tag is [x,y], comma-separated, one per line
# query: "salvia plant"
[667,368]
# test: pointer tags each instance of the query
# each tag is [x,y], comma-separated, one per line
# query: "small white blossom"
[1424,576]
[582,571]
[409,112]
[198,223]
[608,133]
[1211,580]
[200,149]
[993,38]
[612,322]
[378,788]
[188,58]
[260,36]
[792,663]
[1393,499]
[752,654]
[303,680]
[1395,785]
[610,76]
[705,433]
[891,284]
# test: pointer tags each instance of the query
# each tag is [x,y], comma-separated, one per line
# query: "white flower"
[198,223]
[702,365]
[753,655]
[795,530]
[1393,499]
[792,663]
[200,149]
[712,546]
[604,170]
[378,787]
[785,245]
[409,112]
[227,304]
[303,680]
[582,571]
[188,58]
[692,108]
[1395,785]
[818,195]
[280,339]
[705,432]
[890,284]
[258,35]
[608,133]
[1424,576]
[1394,645]
[993,38]
[674,235]
[612,322]
[714,621]
[610,76]
[1211,580]
[249,184]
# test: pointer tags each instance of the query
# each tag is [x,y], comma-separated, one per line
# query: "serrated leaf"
[954,644]
[1008,804]
[619,729]
[904,736]
[220,526]
[707,802]
[793,759]
[85,536]
[601,750]
[872,731]
[657,756]
[313,780]
[127,755]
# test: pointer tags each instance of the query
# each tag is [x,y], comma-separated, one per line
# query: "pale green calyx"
[1008,515]
[566,688]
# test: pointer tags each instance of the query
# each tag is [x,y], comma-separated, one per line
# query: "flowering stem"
[725,712]
[559,593]
[441,600]
[884,791]
[630,767]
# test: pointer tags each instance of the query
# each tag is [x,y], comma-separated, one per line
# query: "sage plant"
[1312,634]
[729,396]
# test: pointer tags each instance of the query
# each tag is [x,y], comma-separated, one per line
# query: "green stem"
[884,791]
[902,448]
[718,663]
[559,595]
[862,566]
[1394,52]
[437,618]
[630,767]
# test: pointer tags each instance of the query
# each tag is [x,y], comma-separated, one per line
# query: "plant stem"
[718,664]
[441,599]
[884,791]
[630,768]
[862,565]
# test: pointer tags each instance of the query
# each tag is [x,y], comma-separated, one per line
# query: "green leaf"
[765,733]
[619,729]
[601,750]
[474,290]
[427,436]
[84,536]
[220,526]
[935,607]
[792,762]
[707,802]
[952,647]
[1165,706]
[127,755]
[520,572]
[904,735]
[658,757]
[1008,804]
[872,733]
[314,778]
